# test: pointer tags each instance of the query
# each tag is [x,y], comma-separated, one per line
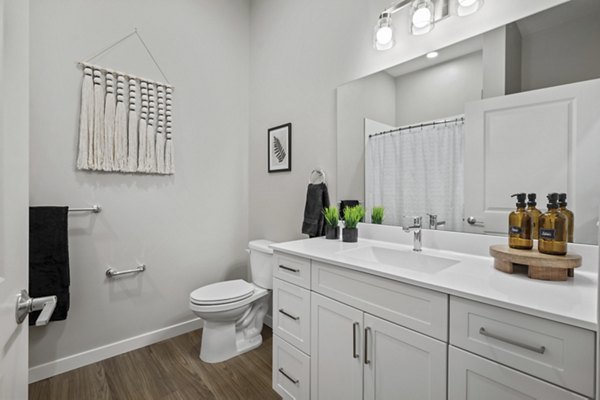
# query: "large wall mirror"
[454,134]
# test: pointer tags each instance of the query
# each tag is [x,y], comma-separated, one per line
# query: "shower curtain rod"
[433,123]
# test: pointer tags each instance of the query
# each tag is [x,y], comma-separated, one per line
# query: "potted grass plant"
[377,215]
[352,216]
[331,215]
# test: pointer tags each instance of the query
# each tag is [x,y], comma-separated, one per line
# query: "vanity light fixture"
[423,16]
[432,54]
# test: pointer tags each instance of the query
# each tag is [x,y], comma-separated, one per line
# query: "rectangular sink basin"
[400,258]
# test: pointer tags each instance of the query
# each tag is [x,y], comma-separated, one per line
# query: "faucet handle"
[417,220]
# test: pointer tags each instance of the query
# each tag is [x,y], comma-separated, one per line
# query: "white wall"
[439,91]
[300,52]
[373,97]
[190,229]
[563,54]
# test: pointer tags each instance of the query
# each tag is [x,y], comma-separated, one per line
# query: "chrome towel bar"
[94,209]
[111,272]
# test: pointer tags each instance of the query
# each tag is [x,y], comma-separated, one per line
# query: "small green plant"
[353,215]
[377,215]
[331,216]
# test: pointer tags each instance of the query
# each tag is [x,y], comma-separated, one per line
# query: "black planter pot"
[332,232]
[350,235]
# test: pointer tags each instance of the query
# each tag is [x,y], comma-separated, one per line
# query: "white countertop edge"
[581,323]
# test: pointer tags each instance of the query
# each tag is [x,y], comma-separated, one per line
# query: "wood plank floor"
[167,370]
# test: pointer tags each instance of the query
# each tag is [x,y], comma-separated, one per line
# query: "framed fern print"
[280,148]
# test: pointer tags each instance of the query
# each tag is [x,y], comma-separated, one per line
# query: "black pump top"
[520,199]
[562,199]
[552,200]
[531,197]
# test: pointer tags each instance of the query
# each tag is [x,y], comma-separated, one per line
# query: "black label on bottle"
[547,234]
[515,230]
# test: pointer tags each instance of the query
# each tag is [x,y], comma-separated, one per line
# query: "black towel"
[317,198]
[49,258]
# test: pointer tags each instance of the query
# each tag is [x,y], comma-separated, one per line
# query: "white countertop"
[474,277]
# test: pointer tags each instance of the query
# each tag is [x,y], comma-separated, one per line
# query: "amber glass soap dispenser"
[553,229]
[535,214]
[519,225]
[562,207]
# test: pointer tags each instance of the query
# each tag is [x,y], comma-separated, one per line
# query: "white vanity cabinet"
[346,334]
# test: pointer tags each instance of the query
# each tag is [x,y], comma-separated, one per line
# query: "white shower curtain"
[417,171]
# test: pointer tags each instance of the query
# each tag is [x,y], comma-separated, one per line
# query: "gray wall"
[438,91]
[373,97]
[191,228]
[564,54]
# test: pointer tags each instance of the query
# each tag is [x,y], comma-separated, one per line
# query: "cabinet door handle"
[354,334]
[294,381]
[367,330]
[540,350]
[287,314]
[294,270]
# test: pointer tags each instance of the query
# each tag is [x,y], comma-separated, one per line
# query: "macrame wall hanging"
[126,122]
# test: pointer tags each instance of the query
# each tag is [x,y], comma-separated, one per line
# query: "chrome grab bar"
[111,272]
[540,350]
[294,317]
[294,381]
[94,209]
[289,269]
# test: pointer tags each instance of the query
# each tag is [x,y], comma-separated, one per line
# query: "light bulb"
[468,7]
[384,35]
[432,54]
[421,17]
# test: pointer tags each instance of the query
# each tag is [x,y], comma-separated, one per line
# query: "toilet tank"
[261,269]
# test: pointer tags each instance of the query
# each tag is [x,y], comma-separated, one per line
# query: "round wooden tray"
[537,265]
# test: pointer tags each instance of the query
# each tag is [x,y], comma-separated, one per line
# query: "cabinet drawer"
[291,371]
[555,352]
[416,308]
[291,314]
[473,377]
[292,269]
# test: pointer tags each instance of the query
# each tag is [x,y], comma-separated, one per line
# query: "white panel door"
[402,364]
[14,119]
[540,141]
[336,362]
[474,377]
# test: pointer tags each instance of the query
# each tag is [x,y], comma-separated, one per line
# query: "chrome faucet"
[416,229]
[433,221]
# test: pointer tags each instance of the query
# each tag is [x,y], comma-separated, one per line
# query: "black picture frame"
[279,148]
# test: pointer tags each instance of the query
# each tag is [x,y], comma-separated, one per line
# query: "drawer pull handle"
[287,314]
[354,352]
[294,270]
[540,350]
[294,381]
[367,330]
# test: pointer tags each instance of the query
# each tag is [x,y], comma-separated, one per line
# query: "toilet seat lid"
[222,292]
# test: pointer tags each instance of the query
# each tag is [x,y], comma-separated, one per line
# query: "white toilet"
[233,311]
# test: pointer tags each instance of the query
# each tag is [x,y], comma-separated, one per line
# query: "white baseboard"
[79,360]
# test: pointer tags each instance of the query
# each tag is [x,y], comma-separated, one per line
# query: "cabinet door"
[400,363]
[336,363]
[473,377]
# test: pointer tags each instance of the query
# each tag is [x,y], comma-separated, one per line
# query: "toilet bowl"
[233,311]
